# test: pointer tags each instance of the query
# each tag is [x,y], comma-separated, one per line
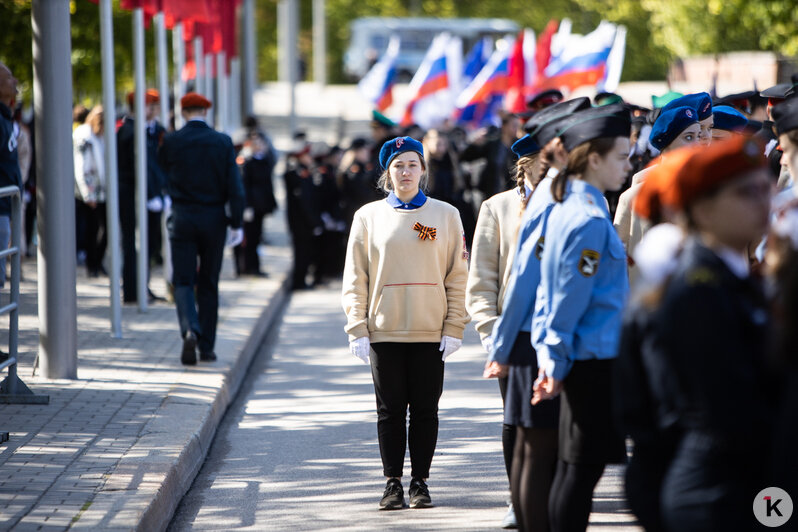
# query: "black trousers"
[246,254]
[95,236]
[197,232]
[407,374]
[154,237]
[127,224]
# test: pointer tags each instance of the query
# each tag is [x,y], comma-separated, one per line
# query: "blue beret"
[700,101]
[394,147]
[609,121]
[728,118]
[526,145]
[670,124]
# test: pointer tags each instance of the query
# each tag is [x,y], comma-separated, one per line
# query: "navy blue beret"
[785,115]
[670,124]
[524,146]
[394,147]
[608,121]
[728,118]
[542,125]
[700,101]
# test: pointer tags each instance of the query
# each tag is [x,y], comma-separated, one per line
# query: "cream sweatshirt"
[492,255]
[398,287]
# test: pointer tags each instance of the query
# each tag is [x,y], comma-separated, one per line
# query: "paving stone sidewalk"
[117,448]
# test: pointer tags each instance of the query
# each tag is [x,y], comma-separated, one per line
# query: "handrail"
[12,389]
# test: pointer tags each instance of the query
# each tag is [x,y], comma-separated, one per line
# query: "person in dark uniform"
[258,191]
[9,163]
[203,177]
[332,244]
[703,351]
[156,184]
[494,149]
[126,164]
[304,219]
[357,179]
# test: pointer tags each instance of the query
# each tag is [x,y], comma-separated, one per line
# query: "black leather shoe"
[208,357]
[189,354]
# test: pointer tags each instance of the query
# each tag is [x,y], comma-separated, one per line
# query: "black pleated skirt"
[518,409]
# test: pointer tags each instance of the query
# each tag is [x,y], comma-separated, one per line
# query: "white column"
[140,146]
[179,51]
[111,178]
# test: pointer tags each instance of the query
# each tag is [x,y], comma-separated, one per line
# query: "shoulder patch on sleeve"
[589,262]
[701,276]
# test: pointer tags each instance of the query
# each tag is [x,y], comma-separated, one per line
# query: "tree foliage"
[657,31]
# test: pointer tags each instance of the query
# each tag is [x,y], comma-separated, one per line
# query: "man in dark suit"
[126,163]
[202,176]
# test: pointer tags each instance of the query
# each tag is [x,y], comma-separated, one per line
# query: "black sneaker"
[394,496]
[188,356]
[419,494]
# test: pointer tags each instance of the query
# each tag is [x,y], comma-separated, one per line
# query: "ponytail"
[577,163]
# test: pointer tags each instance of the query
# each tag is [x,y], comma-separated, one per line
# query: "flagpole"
[250,67]
[209,85]
[235,93]
[319,42]
[111,177]
[179,51]
[199,66]
[221,91]
[140,146]
[163,67]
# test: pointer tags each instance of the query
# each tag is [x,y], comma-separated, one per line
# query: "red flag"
[150,7]
[543,51]
[515,102]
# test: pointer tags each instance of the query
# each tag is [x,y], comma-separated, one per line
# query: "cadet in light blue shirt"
[578,307]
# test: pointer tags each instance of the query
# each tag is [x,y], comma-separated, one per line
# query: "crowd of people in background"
[673,200]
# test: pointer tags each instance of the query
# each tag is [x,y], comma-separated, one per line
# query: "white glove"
[155,204]
[449,345]
[487,343]
[234,237]
[360,347]
[249,214]
[167,203]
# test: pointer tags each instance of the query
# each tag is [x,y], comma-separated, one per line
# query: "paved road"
[298,448]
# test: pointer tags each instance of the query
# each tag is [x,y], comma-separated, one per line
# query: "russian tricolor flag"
[479,103]
[433,87]
[580,59]
[377,85]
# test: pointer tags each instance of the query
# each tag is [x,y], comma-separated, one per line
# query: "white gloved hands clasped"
[234,237]
[449,345]
[487,343]
[360,347]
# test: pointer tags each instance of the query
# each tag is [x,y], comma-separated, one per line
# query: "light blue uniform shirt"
[417,201]
[583,284]
[519,298]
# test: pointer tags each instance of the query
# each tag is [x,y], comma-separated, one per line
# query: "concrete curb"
[182,472]
[147,485]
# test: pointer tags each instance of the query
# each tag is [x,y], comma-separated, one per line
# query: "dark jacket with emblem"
[9,163]
[201,169]
[703,361]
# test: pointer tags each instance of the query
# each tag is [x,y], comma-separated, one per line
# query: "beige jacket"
[628,224]
[398,287]
[491,257]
